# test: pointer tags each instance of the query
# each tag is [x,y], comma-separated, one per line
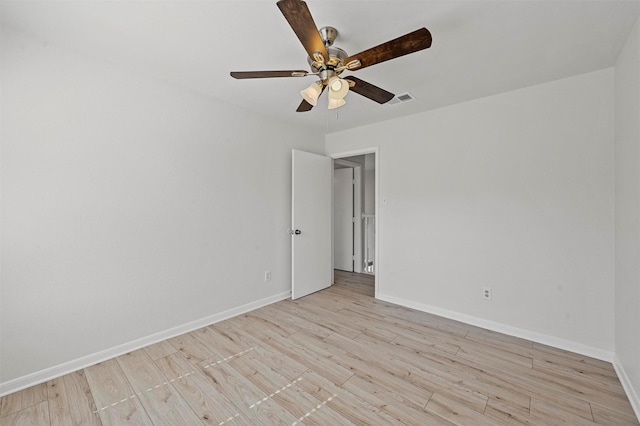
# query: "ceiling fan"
[328,62]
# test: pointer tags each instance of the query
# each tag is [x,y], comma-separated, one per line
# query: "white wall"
[627,218]
[514,192]
[369,235]
[369,181]
[129,207]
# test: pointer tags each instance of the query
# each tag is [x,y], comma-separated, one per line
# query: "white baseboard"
[503,328]
[632,393]
[89,360]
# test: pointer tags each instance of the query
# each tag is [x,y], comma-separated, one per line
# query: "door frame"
[376,151]
[357,213]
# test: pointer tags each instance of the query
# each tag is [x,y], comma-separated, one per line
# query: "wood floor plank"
[493,357]
[11,403]
[424,346]
[288,394]
[494,337]
[305,320]
[516,379]
[576,359]
[384,374]
[193,349]
[279,362]
[431,379]
[406,414]
[504,414]
[160,349]
[264,324]
[306,356]
[34,395]
[524,381]
[594,379]
[209,404]
[430,321]
[239,321]
[586,390]
[84,410]
[116,401]
[329,319]
[156,393]
[343,402]
[223,341]
[59,405]
[605,416]
[447,368]
[366,324]
[458,391]
[273,317]
[36,415]
[457,413]
[350,277]
[548,412]
[254,403]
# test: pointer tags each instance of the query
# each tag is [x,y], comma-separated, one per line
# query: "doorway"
[354,213]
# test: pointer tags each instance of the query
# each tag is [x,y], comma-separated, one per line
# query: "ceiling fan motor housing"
[336,55]
[329,35]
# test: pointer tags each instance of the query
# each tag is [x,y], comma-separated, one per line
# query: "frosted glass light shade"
[338,88]
[311,93]
[336,103]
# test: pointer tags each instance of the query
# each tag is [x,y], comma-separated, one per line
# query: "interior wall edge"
[633,397]
[19,383]
[541,338]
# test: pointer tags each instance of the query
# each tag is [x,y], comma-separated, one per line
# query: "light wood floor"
[336,357]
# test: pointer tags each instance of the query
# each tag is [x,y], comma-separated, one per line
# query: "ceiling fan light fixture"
[353,64]
[311,93]
[338,88]
[336,103]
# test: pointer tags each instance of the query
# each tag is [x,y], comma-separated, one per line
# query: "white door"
[343,219]
[310,223]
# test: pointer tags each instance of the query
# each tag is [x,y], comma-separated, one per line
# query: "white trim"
[346,163]
[357,211]
[89,360]
[376,151]
[545,339]
[632,395]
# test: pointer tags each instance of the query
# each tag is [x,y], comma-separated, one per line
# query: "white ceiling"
[480,47]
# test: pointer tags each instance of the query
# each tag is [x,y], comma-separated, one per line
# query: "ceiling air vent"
[405,97]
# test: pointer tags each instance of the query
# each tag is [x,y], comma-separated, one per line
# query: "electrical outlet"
[486,293]
[267,276]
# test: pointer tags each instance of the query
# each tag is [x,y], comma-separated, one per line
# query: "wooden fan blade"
[268,74]
[306,106]
[297,14]
[370,91]
[408,43]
